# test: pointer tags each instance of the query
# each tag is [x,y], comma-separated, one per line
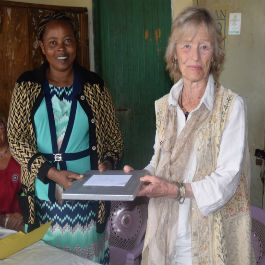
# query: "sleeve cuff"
[111,160]
[42,175]
[199,200]
[150,170]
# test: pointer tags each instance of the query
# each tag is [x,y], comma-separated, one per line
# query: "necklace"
[3,154]
[63,81]
[186,113]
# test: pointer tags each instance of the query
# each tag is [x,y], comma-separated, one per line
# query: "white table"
[41,253]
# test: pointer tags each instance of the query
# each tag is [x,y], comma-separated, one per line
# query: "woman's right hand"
[154,186]
[63,177]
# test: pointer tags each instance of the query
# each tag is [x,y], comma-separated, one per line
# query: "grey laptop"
[111,185]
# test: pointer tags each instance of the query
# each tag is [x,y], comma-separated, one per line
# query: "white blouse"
[215,190]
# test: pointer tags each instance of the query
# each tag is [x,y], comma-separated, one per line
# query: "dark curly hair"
[54,16]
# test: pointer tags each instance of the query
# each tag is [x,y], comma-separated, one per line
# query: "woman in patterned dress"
[62,123]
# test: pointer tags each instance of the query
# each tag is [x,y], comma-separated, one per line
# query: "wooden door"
[19,49]
[130,41]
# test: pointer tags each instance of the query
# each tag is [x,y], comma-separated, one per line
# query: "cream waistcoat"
[222,237]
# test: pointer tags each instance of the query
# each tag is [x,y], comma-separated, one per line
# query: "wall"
[244,71]
[75,3]
[179,5]
[244,66]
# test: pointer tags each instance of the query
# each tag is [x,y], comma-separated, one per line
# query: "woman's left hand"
[156,187]
[106,165]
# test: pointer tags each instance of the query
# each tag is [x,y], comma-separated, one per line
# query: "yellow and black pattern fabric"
[104,129]
[107,131]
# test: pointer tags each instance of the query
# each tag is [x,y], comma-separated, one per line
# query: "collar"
[207,98]
[84,76]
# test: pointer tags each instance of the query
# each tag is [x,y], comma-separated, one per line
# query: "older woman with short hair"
[184,24]
[199,174]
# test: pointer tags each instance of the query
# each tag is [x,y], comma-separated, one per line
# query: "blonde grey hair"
[194,17]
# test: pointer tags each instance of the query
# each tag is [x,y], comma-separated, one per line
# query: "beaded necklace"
[186,113]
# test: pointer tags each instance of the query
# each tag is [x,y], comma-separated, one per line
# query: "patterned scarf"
[174,154]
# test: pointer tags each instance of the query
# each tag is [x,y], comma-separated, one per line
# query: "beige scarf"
[174,154]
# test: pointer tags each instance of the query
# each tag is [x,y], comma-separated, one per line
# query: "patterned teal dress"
[74,222]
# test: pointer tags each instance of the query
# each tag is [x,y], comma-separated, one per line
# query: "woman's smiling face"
[59,45]
[194,53]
